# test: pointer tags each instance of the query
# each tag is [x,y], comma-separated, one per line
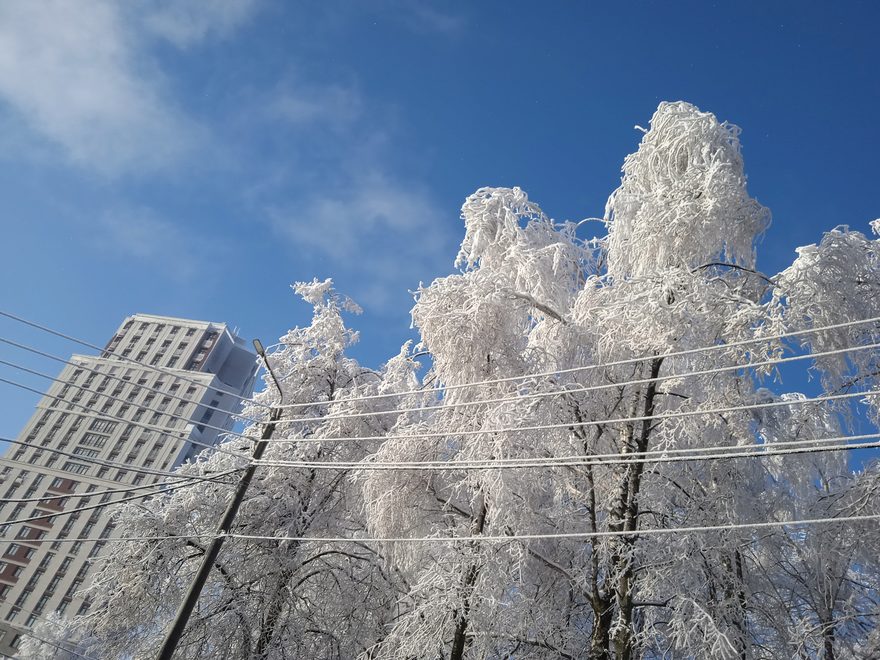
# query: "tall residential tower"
[162,388]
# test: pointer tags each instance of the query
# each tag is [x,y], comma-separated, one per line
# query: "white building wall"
[127,416]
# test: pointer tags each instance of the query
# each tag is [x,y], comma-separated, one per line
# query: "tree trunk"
[270,622]
[600,638]
[828,639]
[741,599]
[603,610]
[628,520]
[459,640]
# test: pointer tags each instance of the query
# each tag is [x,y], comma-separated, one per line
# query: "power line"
[100,505]
[30,633]
[656,531]
[299,464]
[578,390]
[436,407]
[51,622]
[576,424]
[90,414]
[113,539]
[656,456]
[92,460]
[149,427]
[690,351]
[487,538]
[114,377]
[110,491]
[112,397]
[743,342]
[124,358]
[675,376]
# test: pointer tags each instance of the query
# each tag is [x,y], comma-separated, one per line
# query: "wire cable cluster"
[717,452]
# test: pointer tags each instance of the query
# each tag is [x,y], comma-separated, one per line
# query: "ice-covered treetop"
[682,201]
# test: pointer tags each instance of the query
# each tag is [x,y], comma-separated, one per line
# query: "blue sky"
[194,158]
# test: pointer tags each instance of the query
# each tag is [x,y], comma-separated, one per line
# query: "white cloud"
[187,22]
[337,222]
[68,68]
[163,247]
[80,75]
[388,233]
[422,16]
[301,103]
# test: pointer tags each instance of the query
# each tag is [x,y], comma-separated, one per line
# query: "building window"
[93,440]
[30,533]
[76,468]
[53,584]
[102,426]
[23,597]
[41,604]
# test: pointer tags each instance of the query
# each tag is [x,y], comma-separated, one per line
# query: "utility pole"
[195,589]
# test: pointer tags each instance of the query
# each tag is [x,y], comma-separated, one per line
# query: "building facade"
[162,388]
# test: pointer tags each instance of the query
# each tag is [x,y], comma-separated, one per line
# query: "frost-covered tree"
[55,638]
[264,599]
[675,271]
[555,561]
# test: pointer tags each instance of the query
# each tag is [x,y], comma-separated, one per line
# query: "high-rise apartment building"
[118,425]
